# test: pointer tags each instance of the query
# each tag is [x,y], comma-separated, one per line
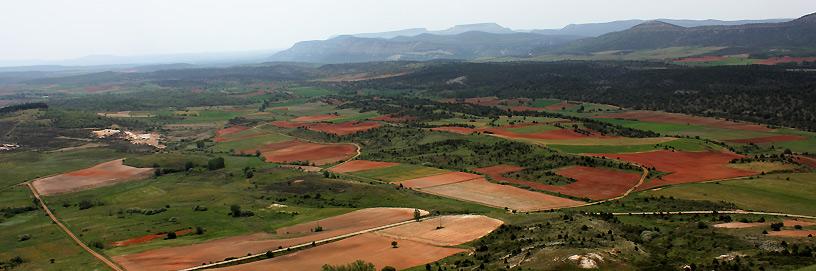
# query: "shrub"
[23,237]
[171,235]
[215,163]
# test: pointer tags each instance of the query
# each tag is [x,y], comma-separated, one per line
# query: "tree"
[171,235]
[355,266]
[388,268]
[215,163]
[199,230]
[235,210]
[394,244]
[417,215]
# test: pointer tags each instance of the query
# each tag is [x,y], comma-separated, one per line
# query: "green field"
[19,167]
[257,137]
[355,117]
[773,193]
[399,172]
[309,92]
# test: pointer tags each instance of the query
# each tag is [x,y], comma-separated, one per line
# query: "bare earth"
[441,179]
[175,258]
[500,196]
[104,174]
[456,230]
[359,165]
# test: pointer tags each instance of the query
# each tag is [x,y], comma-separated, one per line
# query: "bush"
[171,235]
[87,204]
[388,268]
[23,237]
[215,163]
[355,266]
[199,230]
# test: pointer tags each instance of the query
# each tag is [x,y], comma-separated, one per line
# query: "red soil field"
[486,101]
[219,135]
[315,118]
[344,128]
[368,247]
[393,119]
[483,192]
[498,170]
[551,134]
[663,117]
[455,130]
[296,150]
[441,179]
[793,222]
[793,233]
[175,258]
[526,108]
[808,161]
[456,230]
[592,183]
[147,238]
[559,106]
[104,174]
[769,139]
[359,165]
[700,59]
[684,167]
[786,59]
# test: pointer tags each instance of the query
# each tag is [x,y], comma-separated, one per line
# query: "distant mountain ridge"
[799,33]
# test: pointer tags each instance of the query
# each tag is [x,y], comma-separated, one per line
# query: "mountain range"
[477,41]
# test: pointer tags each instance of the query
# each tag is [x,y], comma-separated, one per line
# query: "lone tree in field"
[215,163]
[171,235]
[417,215]
[394,244]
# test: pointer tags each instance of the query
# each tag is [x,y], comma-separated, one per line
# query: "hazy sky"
[58,29]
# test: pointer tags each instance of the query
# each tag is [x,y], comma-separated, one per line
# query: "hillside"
[468,45]
[799,33]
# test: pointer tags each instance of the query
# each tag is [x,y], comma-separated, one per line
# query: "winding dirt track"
[51,215]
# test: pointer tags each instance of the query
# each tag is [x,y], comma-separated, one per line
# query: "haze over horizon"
[56,30]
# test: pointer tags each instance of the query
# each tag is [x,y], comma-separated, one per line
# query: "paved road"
[335,238]
[98,256]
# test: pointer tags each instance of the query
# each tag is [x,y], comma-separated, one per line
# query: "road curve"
[98,256]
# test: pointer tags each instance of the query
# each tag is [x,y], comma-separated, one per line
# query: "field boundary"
[737,212]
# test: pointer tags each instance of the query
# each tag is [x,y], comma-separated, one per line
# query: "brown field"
[808,161]
[559,106]
[296,150]
[739,225]
[219,135]
[526,108]
[104,174]
[785,59]
[551,134]
[794,222]
[358,165]
[486,101]
[393,119]
[793,233]
[664,117]
[684,167]
[455,129]
[315,118]
[344,128]
[441,179]
[174,258]
[368,247]
[769,139]
[147,238]
[456,230]
[500,196]
[592,183]
[498,170]
[287,124]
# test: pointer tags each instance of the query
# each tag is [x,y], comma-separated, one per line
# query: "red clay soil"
[491,194]
[315,118]
[104,174]
[663,117]
[296,151]
[808,161]
[368,247]
[219,135]
[344,128]
[526,108]
[559,106]
[455,130]
[684,167]
[393,119]
[175,258]
[287,124]
[786,59]
[793,233]
[794,222]
[498,170]
[592,183]
[486,101]
[456,230]
[441,179]
[359,165]
[700,59]
[147,238]
[551,134]
[768,139]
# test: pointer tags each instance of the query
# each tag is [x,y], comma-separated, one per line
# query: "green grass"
[767,193]
[399,172]
[309,92]
[18,167]
[210,115]
[47,240]
[259,138]
[355,117]
[681,144]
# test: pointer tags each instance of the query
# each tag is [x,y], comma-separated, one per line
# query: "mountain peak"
[807,19]
[656,25]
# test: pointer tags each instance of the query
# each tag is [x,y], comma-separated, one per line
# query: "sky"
[64,29]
